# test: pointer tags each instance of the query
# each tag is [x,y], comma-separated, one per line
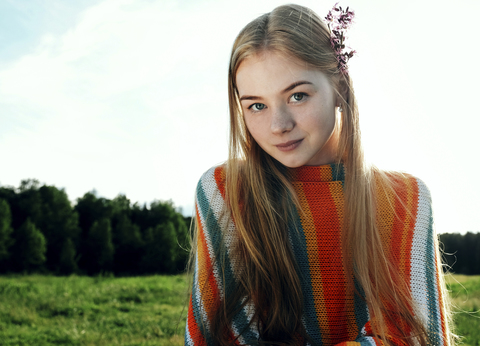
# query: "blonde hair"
[263,186]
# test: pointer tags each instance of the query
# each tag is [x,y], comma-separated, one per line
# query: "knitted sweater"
[331,315]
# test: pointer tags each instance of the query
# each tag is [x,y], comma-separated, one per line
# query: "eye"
[297,97]
[257,107]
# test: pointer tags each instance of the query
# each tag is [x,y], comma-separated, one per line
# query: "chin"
[291,163]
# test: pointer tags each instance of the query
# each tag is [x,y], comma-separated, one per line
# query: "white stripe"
[418,279]
[419,261]
[225,222]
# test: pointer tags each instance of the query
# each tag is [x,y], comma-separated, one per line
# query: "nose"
[282,121]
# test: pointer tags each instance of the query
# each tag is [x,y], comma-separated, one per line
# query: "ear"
[342,92]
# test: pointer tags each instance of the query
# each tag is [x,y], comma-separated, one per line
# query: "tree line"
[41,231]
[461,252]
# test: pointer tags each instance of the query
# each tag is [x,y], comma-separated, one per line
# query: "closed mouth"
[290,145]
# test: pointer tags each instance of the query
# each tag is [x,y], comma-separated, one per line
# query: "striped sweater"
[331,316]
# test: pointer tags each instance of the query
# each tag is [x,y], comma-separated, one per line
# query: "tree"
[100,247]
[29,203]
[68,263]
[58,222]
[90,209]
[462,252]
[182,246]
[30,247]
[5,233]
[160,244]
[128,246]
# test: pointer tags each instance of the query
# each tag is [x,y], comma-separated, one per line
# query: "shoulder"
[403,186]
[403,205]
[211,187]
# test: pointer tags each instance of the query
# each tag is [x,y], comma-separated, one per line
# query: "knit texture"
[332,316]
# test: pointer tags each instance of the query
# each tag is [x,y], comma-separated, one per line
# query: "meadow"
[465,297]
[48,310]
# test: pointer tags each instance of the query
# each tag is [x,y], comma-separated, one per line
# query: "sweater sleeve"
[207,289]
[426,276]
[425,279]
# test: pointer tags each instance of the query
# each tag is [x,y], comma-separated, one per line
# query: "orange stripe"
[412,207]
[385,212]
[326,173]
[220,179]
[316,277]
[398,223]
[210,294]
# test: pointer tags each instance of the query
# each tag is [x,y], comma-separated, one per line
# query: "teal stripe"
[214,232]
[434,332]
[338,172]
[299,245]
[360,305]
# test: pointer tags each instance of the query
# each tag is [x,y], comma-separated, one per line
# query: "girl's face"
[289,109]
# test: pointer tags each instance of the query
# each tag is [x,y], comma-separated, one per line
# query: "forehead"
[271,71]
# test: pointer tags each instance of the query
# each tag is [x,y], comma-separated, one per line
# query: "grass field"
[45,310]
[465,296]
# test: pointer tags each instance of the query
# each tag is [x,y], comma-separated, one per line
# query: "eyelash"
[304,95]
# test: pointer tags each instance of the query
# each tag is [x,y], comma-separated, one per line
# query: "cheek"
[323,121]
[256,127]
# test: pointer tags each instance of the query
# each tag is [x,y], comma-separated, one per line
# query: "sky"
[130,96]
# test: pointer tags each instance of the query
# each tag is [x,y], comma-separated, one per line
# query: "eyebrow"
[290,87]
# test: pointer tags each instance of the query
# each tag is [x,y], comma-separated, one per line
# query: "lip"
[290,145]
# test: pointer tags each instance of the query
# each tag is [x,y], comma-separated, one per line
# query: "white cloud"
[132,98]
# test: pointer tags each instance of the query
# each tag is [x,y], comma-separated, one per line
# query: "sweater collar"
[324,173]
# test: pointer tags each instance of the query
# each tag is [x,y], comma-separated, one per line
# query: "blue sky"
[130,96]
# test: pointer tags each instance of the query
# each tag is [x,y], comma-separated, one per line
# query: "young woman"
[297,241]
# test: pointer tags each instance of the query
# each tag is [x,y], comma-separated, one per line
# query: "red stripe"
[194,331]
[220,179]
[327,225]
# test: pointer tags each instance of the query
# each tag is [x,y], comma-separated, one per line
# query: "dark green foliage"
[96,235]
[30,247]
[58,223]
[5,231]
[100,247]
[461,252]
[159,254]
[68,263]
[90,209]
[182,248]
[129,246]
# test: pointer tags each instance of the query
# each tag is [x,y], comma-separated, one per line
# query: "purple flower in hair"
[338,21]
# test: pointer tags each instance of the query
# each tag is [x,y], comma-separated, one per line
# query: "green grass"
[465,296]
[47,310]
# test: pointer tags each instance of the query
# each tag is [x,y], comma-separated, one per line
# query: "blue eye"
[256,107]
[298,97]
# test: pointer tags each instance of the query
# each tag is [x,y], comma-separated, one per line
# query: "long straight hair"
[259,197]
